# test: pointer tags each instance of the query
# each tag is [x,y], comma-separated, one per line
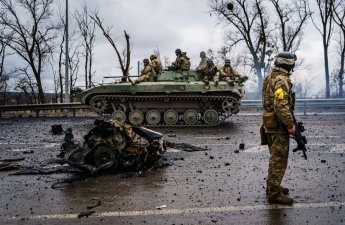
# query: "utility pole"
[66,59]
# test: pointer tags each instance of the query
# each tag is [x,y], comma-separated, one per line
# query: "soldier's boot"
[283,190]
[206,81]
[280,199]
[216,82]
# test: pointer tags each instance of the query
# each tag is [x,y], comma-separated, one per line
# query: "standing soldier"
[228,74]
[147,74]
[156,64]
[203,61]
[182,61]
[278,124]
[210,72]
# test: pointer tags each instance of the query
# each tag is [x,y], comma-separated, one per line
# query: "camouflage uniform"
[277,102]
[147,74]
[203,61]
[228,74]
[182,61]
[210,72]
[156,64]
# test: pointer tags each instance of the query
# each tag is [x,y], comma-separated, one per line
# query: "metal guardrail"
[41,107]
[338,103]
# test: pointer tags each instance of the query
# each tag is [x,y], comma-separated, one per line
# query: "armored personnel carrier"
[177,98]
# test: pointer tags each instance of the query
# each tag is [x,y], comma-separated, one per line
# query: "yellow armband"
[279,94]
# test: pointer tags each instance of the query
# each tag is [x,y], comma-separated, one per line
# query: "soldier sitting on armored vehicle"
[147,74]
[203,62]
[228,74]
[182,62]
[210,73]
[156,65]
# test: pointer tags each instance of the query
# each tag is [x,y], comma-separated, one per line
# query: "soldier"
[156,64]
[147,74]
[278,124]
[182,61]
[210,73]
[203,61]
[228,74]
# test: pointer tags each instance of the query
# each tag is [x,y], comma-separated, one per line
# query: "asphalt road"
[223,185]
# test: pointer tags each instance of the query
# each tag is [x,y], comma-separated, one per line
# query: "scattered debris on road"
[186,147]
[93,204]
[57,129]
[161,207]
[112,145]
[9,166]
[85,214]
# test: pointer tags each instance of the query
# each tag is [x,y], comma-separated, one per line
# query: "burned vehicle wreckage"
[176,98]
[113,145]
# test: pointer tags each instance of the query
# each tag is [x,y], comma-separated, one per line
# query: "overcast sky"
[171,24]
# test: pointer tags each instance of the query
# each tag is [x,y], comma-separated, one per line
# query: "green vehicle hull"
[175,99]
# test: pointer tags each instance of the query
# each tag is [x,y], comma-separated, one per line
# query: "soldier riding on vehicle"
[228,74]
[203,61]
[147,74]
[182,62]
[210,73]
[156,65]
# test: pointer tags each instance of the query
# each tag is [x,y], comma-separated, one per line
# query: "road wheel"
[190,117]
[136,117]
[119,115]
[211,117]
[153,117]
[170,117]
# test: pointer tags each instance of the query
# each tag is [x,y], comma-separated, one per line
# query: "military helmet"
[202,54]
[210,62]
[146,61]
[178,51]
[285,60]
[153,56]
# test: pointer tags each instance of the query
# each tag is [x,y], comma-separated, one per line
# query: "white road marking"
[325,137]
[258,148]
[35,143]
[229,137]
[188,210]
[212,137]
[337,148]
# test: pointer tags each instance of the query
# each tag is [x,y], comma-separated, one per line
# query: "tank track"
[105,99]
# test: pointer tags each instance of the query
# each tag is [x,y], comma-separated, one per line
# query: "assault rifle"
[300,139]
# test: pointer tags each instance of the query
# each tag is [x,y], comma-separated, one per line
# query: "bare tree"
[339,19]
[292,16]
[56,83]
[87,29]
[74,61]
[248,23]
[30,32]
[3,76]
[325,14]
[26,85]
[124,58]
